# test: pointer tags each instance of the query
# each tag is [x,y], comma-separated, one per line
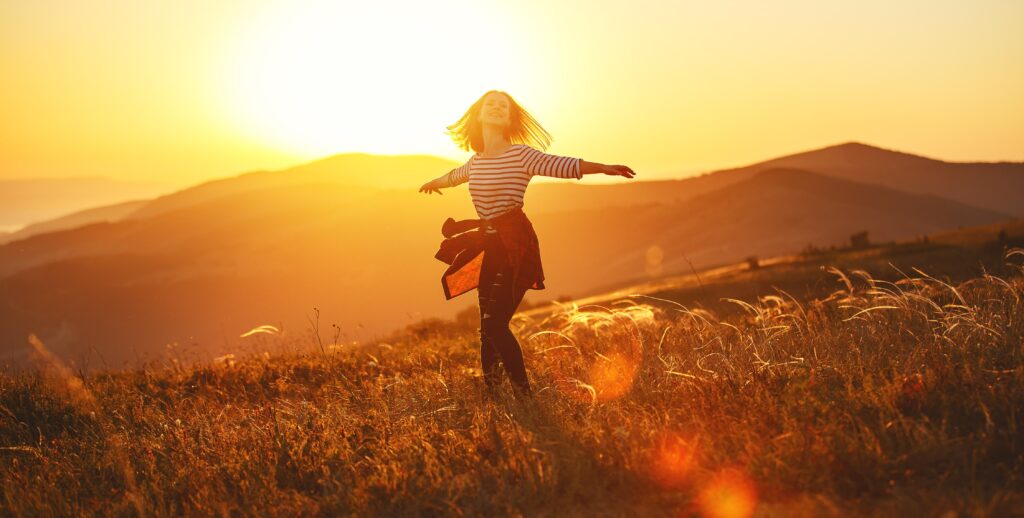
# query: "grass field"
[898,396]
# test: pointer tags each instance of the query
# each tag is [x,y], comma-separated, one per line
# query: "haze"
[181,92]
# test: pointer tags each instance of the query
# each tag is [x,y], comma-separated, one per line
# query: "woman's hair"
[468,132]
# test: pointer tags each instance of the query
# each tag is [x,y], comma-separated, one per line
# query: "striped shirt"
[498,184]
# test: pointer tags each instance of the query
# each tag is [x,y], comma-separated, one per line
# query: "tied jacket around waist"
[463,250]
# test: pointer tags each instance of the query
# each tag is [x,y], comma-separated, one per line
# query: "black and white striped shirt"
[498,184]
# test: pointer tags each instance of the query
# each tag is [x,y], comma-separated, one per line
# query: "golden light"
[673,460]
[654,257]
[612,370]
[379,77]
[730,493]
[612,376]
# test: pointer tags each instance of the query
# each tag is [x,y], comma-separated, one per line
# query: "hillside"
[992,186]
[954,256]
[80,218]
[774,212]
[877,399]
[984,185]
[354,170]
[194,272]
[196,267]
[36,200]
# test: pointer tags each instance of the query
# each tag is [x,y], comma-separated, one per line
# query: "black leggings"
[499,299]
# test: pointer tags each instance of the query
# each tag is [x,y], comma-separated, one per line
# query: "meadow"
[877,397]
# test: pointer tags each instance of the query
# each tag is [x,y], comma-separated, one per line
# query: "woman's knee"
[492,326]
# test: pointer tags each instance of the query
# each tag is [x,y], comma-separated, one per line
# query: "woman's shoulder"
[519,150]
[516,148]
[526,148]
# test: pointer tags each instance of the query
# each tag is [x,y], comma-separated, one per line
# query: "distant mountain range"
[112,212]
[775,211]
[205,264]
[38,200]
[991,185]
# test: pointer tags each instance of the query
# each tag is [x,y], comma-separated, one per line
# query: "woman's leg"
[490,358]
[509,348]
[503,300]
[499,300]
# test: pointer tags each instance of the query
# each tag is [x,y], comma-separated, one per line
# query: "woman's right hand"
[619,170]
[432,186]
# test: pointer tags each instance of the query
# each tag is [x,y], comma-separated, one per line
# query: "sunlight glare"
[730,493]
[379,77]
[612,376]
[674,458]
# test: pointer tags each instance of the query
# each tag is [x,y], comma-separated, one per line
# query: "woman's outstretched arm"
[435,185]
[613,170]
[452,178]
[544,164]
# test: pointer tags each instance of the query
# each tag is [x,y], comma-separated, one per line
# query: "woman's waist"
[512,228]
[510,221]
[513,216]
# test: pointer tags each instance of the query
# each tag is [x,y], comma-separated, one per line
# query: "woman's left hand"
[431,186]
[619,170]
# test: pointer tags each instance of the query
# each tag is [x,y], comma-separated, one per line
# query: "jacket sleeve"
[459,174]
[538,163]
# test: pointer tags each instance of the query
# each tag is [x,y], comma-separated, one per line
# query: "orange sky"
[184,91]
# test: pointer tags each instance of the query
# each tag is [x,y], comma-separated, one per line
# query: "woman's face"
[496,110]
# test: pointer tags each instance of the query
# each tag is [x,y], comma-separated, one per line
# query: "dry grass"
[889,398]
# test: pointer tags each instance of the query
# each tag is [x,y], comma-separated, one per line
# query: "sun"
[380,77]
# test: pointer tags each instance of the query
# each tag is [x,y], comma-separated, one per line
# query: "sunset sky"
[184,91]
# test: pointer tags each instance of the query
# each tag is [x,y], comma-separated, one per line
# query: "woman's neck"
[494,140]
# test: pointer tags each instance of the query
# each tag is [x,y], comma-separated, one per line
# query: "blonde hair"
[468,132]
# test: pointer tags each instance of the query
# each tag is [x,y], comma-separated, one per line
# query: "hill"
[992,186]
[352,170]
[878,399]
[252,258]
[954,256]
[80,218]
[208,271]
[984,185]
[774,212]
[36,200]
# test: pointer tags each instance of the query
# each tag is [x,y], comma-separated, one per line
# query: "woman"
[498,254]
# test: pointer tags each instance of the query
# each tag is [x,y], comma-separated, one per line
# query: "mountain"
[30,201]
[987,185]
[214,262]
[355,170]
[774,212]
[208,271]
[993,186]
[75,219]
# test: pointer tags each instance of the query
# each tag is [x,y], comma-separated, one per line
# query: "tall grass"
[884,398]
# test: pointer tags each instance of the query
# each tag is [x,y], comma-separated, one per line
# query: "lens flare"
[607,367]
[730,493]
[673,459]
[612,376]
[654,258]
